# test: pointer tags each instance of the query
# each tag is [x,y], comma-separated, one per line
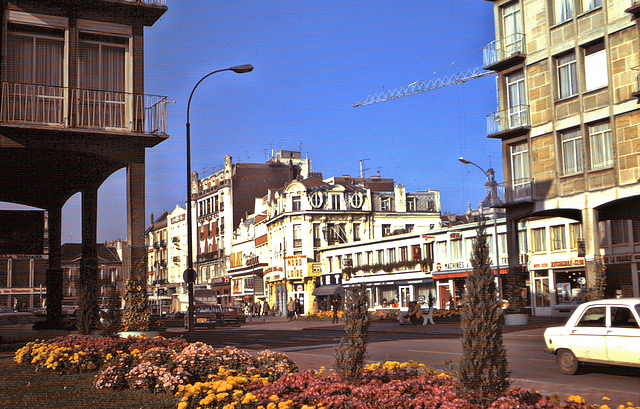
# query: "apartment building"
[568,120]
[74,111]
[227,196]
[308,216]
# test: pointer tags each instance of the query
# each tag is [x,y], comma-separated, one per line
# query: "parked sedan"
[233,315]
[604,332]
[205,316]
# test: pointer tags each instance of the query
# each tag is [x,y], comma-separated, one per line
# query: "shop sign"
[438,267]
[23,290]
[428,237]
[454,266]
[568,263]
[220,280]
[454,235]
[237,286]
[178,218]
[296,266]
[622,258]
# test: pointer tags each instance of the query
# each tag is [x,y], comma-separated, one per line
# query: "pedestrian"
[415,314]
[297,310]
[291,309]
[335,304]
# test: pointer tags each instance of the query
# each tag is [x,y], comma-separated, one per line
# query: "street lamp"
[491,200]
[190,274]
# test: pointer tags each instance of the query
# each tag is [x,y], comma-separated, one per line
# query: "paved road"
[310,344]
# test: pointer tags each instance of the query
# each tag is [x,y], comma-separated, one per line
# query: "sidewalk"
[534,328]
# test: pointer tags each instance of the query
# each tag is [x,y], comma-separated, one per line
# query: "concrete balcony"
[509,123]
[73,108]
[504,53]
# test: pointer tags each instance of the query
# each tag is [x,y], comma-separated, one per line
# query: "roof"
[73,251]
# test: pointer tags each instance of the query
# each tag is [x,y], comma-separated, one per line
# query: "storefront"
[223,287]
[622,276]
[395,290]
[557,286]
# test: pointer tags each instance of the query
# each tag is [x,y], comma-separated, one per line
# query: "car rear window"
[622,317]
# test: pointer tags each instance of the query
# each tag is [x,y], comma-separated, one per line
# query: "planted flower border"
[203,377]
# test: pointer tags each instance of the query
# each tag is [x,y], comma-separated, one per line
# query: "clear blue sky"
[313,60]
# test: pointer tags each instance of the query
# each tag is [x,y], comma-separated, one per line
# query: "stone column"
[54,271]
[136,264]
[88,297]
[591,233]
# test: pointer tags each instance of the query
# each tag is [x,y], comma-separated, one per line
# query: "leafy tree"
[350,354]
[483,373]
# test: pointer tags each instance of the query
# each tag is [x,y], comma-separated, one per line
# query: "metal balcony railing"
[506,119]
[150,2]
[83,108]
[516,191]
[501,49]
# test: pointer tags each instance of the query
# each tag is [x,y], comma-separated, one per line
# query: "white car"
[604,332]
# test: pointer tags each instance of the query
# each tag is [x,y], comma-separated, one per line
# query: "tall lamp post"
[492,199]
[190,273]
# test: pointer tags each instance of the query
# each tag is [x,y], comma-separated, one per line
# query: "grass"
[23,388]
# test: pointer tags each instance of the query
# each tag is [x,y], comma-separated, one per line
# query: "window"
[330,264]
[538,240]
[35,58]
[408,228]
[385,204]
[512,28]
[391,255]
[297,235]
[622,317]
[567,76]
[386,230]
[516,100]
[558,240]
[619,232]
[441,251]
[335,202]
[595,66]
[411,204]
[369,256]
[356,231]
[575,230]
[316,235]
[591,4]
[416,254]
[520,170]
[380,256]
[600,145]
[563,10]
[593,317]
[295,203]
[456,250]
[572,152]
[357,260]
[404,253]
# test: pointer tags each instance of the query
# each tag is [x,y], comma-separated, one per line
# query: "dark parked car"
[233,315]
[205,316]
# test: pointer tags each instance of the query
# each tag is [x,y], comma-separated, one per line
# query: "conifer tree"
[483,373]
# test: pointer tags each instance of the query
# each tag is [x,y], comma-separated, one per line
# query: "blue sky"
[313,60]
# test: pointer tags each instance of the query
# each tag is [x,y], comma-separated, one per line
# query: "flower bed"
[206,378]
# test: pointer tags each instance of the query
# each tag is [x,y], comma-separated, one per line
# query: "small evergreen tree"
[113,315]
[351,353]
[483,373]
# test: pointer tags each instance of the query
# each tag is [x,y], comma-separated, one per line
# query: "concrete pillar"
[53,278]
[591,233]
[88,280]
[135,265]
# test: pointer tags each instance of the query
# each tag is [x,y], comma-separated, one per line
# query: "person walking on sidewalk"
[291,309]
[334,308]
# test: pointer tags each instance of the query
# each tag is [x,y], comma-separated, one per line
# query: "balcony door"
[516,100]
[512,29]
[33,90]
[101,100]
[520,172]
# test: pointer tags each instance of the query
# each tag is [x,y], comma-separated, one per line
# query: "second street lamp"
[190,273]
[491,200]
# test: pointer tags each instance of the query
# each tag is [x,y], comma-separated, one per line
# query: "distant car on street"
[603,332]
[233,315]
[205,316]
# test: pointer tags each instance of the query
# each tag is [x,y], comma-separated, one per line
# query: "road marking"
[434,352]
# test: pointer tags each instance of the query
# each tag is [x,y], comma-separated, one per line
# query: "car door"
[587,337]
[623,336]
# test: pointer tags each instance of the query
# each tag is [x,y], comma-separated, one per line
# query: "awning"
[331,289]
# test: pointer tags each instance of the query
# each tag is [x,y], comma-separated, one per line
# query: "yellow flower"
[274,397]
[604,407]
[182,405]
[271,405]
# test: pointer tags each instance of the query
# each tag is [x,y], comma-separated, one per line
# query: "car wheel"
[567,362]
